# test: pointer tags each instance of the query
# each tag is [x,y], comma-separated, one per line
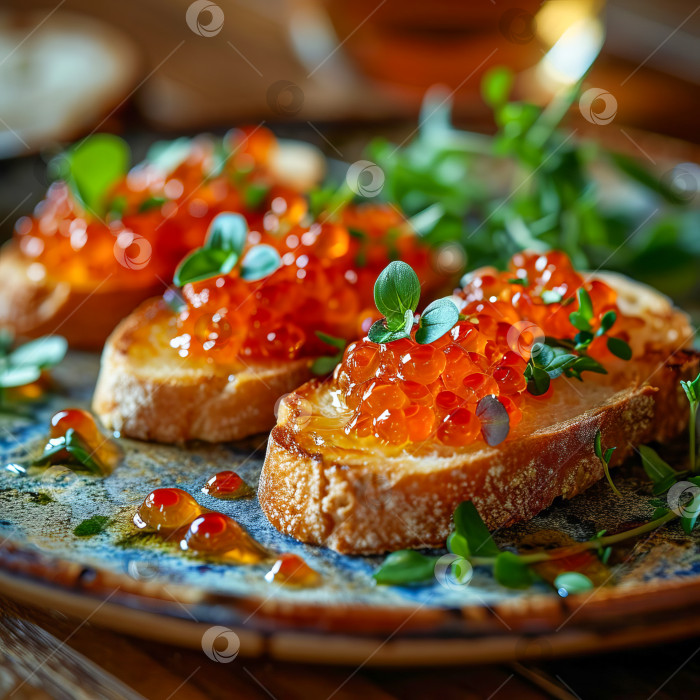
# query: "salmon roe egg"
[403,391]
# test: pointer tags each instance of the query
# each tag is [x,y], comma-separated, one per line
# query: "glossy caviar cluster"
[403,392]
[172,210]
[324,284]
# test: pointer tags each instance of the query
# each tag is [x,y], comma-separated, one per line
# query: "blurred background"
[342,73]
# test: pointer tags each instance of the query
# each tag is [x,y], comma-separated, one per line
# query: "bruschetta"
[481,401]
[213,365]
[106,238]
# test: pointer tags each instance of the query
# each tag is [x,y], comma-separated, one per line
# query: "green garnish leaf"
[597,444]
[254,195]
[18,376]
[606,323]
[91,526]
[322,366]
[260,261]
[228,232]
[662,474]
[405,567]
[457,544]
[325,365]
[541,355]
[151,203]
[73,444]
[496,85]
[510,571]
[619,348]
[692,389]
[438,318]
[42,352]
[582,318]
[551,296]
[572,582]
[468,524]
[396,292]
[379,333]
[538,382]
[94,166]
[334,342]
[168,155]
[202,264]
[522,281]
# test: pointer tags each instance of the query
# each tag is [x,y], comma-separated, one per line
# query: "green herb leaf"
[438,318]
[496,85]
[539,381]
[692,389]
[468,524]
[227,232]
[405,567]
[662,474]
[254,195]
[42,353]
[606,323]
[204,263]
[322,366]
[522,281]
[334,342]
[73,444]
[572,582]
[18,376]
[379,333]
[631,167]
[260,261]
[541,355]
[396,292]
[691,512]
[510,571]
[551,296]
[168,155]
[619,348]
[94,166]
[495,421]
[582,318]
[457,544]
[91,526]
[151,203]
[597,444]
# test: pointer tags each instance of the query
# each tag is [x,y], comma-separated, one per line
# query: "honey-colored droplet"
[292,570]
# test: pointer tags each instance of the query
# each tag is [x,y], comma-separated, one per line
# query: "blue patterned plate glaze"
[40,510]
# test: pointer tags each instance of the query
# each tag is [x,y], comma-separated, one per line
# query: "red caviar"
[406,392]
[292,570]
[324,284]
[172,511]
[107,452]
[162,215]
[227,485]
[216,533]
[166,510]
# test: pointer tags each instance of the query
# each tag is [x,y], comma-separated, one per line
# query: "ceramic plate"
[134,584]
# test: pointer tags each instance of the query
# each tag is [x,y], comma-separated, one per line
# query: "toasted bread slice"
[146,391]
[357,496]
[33,305]
[36,302]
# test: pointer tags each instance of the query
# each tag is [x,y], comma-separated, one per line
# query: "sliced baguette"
[36,302]
[34,305]
[364,498]
[146,391]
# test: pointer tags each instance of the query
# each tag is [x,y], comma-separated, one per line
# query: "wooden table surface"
[44,654]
